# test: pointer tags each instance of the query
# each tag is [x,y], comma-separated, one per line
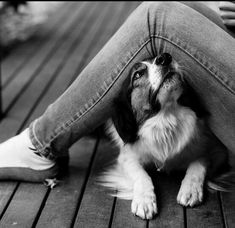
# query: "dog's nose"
[164,59]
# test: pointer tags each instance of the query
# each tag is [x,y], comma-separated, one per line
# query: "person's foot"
[18,161]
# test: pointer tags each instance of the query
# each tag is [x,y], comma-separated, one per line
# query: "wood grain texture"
[24,206]
[228,206]
[166,188]
[61,204]
[206,215]
[96,206]
[124,218]
[6,192]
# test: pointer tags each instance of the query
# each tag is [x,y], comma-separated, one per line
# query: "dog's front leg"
[191,190]
[144,202]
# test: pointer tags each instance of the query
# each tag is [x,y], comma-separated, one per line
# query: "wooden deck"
[34,74]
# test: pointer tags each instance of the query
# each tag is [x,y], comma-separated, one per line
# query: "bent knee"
[161,6]
[165,13]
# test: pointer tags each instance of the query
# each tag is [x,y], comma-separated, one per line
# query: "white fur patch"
[154,74]
[166,134]
[116,179]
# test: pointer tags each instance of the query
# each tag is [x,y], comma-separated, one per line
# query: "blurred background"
[19,20]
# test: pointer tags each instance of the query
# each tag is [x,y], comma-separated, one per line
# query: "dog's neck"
[168,132]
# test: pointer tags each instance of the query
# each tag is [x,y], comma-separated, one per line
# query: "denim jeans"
[192,34]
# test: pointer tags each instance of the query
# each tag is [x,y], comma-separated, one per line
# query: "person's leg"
[205,50]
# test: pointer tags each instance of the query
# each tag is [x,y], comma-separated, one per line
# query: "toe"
[144,207]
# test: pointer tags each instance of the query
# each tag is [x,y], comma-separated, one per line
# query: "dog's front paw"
[190,193]
[144,205]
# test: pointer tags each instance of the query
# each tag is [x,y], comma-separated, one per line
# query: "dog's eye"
[138,75]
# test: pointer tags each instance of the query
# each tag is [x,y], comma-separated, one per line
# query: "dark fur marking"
[155,104]
[124,119]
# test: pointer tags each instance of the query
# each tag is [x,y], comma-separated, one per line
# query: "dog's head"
[152,86]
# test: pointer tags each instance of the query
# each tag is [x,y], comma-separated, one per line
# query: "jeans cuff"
[40,149]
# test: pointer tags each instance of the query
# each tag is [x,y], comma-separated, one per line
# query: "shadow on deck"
[34,74]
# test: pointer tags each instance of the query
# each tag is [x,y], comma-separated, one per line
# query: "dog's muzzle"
[170,81]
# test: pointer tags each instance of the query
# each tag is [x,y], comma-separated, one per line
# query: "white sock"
[15,152]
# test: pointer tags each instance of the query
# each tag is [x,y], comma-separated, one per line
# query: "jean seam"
[34,134]
[198,61]
[42,150]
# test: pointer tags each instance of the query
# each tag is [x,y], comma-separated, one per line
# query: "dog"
[159,119]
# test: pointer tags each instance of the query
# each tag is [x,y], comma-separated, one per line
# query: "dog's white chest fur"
[162,136]
[166,134]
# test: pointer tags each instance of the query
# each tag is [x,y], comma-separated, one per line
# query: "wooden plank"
[170,214]
[37,62]
[206,215]
[13,63]
[96,205]
[6,192]
[23,204]
[61,204]
[123,217]
[228,206]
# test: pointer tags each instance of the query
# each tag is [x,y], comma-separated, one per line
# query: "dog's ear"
[123,118]
[189,98]
[125,122]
